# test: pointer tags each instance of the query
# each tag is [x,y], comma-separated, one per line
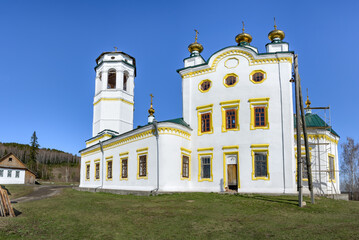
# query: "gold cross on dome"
[115,49]
[243,26]
[151,98]
[275,25]
[195,40]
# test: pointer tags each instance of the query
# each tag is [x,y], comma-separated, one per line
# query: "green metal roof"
[178,121]
[313,120]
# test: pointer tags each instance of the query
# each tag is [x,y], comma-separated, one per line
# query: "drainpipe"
[155,126]
[102,165]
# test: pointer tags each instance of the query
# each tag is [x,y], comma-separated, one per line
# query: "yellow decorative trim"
[225,63]
[209,106]
[107,162]
[87,164]
[98,138]
[296,160]
[335,177]
[225,169]
[123,153]
[204,149]
[138,164]
[185,153]
[227,105]
[113,99]
[258,102]
[109,157]
[259,145]
[236,52]
[257,71]
[228,75]
[230,147]
[186,150]
[140,136]
[200,167]
[199,86]
[142,149]
[253,151]
[97,161]
[123,179]
[318,136]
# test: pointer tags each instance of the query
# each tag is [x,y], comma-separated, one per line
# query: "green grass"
[83,215]
[18,190]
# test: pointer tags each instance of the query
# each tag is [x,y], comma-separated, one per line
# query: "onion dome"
[195,46]
[276,34]
[243,38]
[308,102]
[151,111]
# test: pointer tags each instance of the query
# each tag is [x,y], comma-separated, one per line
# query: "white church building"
[236,133]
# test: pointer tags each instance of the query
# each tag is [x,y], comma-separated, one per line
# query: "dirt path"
[40,192]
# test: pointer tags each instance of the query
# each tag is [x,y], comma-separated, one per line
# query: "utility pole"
[299,150]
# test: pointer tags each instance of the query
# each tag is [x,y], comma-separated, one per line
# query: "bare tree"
[350,165]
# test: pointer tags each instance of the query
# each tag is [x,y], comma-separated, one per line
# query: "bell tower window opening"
[111,82]
[125,78]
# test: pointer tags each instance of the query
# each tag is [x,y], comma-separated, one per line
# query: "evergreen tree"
[34,148]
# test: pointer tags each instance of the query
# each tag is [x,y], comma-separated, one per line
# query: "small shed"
[14,171]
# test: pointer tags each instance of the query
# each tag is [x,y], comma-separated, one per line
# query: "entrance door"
[232,177]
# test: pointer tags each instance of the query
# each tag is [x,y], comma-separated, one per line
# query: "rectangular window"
[97,171]
[204,115]
[17,174]
[1,173]
[142,166]
[259,117]
[304,168]
[124,172]
[231,118]
[259,113]
[260,162]
[331,168]
[206,167]
[87,171]
[185,166]
[9,173]
[109,170]
[206,122]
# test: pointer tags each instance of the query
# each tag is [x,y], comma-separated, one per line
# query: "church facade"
[236,132]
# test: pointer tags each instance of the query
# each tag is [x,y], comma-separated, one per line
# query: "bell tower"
[113,104]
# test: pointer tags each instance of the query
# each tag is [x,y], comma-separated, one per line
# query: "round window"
[231,80]
[258,77]
[205,85]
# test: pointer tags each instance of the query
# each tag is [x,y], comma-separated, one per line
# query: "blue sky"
[48,51]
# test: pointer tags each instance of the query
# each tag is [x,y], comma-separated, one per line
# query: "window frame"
[257,71]
[329,170]
[229,75]
[260,148]
[200,156]
[204,110]
[142,152]
[87,174]
[108,161]
[9,173]
[97,161]
[229,105]
[121,168]
[17,174]
[1,172]
[255,103]
[187,153]
[111,71]
[200,85]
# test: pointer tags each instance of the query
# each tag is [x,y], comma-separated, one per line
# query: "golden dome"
[151,111]
[308,102]
[195,46]
[276,33]
[243,37]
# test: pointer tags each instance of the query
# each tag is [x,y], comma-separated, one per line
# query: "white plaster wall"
[12,180]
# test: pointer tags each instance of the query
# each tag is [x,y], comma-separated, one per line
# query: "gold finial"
[115,49]
[195,39]
[243,38]
[195,46]
[308,101]
[276,34]
[151,111]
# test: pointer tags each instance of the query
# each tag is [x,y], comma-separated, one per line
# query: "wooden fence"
[6,209]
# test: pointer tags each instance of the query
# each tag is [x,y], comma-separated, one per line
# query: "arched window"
[111,79]
[125,78]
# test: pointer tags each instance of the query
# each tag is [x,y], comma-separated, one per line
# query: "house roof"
[21,166]
[314,121]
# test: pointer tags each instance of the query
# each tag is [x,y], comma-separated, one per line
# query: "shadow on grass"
[291,202]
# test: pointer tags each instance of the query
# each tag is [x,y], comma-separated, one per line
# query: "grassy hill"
[83,215]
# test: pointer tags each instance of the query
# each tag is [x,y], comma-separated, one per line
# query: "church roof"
[314,121]
[178,121]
